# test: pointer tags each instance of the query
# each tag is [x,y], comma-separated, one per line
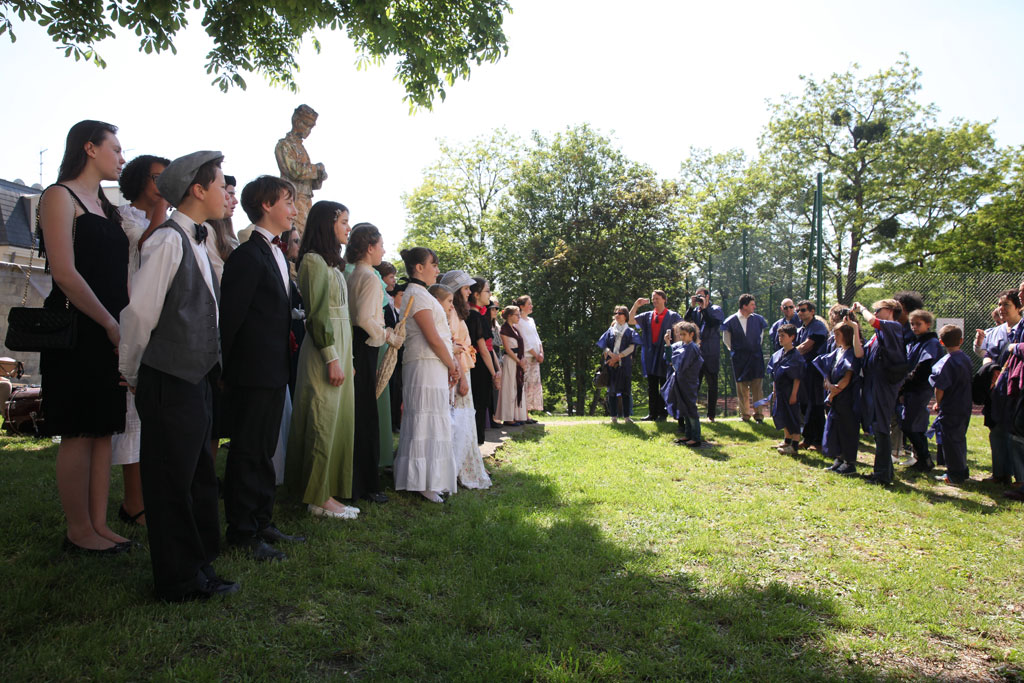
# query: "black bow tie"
[200,233]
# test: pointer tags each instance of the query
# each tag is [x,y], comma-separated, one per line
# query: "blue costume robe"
[621,377]
[652,351]
[953,374]
[885,365]
[817,333]
[785,367]
[773,333]
[680,389]
[747,353]
[842,424]
[922,354]
[709,321]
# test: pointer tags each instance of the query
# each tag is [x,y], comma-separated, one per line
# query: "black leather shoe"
[260,551]
[219,586]
[872,479]
[271,534]
[648,418]
[846,470]
[375,497]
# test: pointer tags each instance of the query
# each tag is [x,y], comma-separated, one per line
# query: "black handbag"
[42,329]
[603,376]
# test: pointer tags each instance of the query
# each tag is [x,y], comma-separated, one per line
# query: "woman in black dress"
[486,374]
[87,254]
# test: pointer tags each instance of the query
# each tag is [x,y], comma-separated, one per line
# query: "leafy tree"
[453,210]
[584,229]
[435,41]
[990,238]
[894,178]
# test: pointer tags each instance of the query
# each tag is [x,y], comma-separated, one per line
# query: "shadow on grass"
[515,582]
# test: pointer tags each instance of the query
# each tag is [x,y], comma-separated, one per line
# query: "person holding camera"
[708,318]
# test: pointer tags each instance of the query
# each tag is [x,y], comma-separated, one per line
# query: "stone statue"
[294,163]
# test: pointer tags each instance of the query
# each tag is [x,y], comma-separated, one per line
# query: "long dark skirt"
[366,442]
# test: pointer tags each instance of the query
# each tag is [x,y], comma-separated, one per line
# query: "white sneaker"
[909,462]
[787,449]
[318,511]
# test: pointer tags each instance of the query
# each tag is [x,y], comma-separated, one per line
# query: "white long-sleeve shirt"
[161,256]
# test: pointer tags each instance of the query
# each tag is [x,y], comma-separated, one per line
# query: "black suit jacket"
[255,318]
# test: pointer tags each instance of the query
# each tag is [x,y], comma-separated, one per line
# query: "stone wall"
[12,288]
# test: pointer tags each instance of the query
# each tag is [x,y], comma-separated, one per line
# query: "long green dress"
[320,443]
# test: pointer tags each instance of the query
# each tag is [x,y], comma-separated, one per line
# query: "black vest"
[186,341]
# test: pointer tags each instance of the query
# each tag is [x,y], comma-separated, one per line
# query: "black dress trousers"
[249,477]
[178,480]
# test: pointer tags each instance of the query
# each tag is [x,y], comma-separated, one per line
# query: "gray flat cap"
[456,279]
[178,177]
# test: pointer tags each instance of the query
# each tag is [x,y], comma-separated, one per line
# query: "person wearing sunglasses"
[789,317]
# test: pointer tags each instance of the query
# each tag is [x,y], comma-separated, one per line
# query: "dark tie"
[200,233]
[276,241]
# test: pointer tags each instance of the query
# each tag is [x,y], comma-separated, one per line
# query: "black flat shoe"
[375,497]
[73,548]
[130,519]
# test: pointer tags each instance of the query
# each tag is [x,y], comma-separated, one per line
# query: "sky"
[659,77]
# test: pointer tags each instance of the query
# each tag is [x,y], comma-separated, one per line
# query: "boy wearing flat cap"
[255,325]
[169,348]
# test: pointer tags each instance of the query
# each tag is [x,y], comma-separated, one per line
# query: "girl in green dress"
[319,463]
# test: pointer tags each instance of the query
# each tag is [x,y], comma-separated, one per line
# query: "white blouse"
[416,346]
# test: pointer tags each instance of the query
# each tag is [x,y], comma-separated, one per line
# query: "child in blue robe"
[787,369]
[842,379]
[680,389]
[951,376]
[922,354]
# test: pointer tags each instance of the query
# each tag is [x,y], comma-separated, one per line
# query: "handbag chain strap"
[28,271]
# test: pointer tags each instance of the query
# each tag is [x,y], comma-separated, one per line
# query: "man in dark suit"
[255,323]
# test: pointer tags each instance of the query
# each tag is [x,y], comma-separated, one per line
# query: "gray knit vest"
[186,341]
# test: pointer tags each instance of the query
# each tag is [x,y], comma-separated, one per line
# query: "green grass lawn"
[601,553]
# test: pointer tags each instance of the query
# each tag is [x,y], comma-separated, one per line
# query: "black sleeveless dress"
[82,396]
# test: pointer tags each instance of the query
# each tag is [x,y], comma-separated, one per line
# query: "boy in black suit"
[255,322]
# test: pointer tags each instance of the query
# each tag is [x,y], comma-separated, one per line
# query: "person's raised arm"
[642,301]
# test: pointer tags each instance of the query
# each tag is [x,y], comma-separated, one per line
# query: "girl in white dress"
[146,212]
[472,473]
[425,461]
[534,391]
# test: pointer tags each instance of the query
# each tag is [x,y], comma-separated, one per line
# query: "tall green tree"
[990,238]
[894,178]
[435,42]
[584,229]
[454,208]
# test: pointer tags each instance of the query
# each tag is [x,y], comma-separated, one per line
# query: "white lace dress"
[125,446]
[425,460]
[533,392]
[468,459]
